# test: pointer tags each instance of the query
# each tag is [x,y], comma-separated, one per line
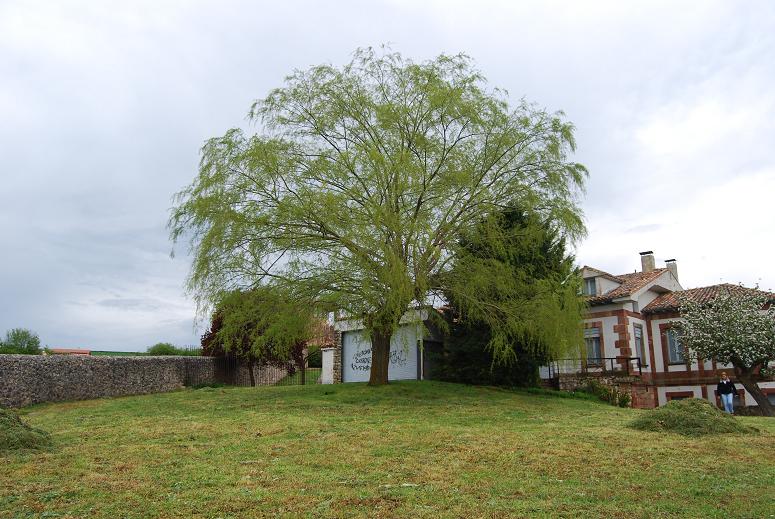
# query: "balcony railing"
[630,366]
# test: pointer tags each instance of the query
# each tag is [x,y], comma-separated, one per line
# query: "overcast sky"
[104,106]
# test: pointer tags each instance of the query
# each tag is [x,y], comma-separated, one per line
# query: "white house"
[628,328]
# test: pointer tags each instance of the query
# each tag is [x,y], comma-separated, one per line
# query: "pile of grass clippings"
[690,417]
[17,435]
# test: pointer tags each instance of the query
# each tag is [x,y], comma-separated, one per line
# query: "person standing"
[727,390]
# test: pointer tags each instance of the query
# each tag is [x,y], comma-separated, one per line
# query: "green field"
[106,353]
[405,450]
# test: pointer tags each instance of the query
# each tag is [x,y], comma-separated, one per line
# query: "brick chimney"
[672,266]
[647,261]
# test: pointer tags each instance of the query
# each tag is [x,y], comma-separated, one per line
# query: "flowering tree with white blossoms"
[737,327]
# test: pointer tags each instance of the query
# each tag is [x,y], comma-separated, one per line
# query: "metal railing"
[232,371]
[594,365]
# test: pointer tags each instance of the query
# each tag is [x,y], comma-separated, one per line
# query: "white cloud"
[105,105]
[718,233]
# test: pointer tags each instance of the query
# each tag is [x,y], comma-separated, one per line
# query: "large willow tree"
[354,190]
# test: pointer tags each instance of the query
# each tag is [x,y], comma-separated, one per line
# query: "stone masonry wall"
[30,379]
[641,394]
[263,375]
[338,357]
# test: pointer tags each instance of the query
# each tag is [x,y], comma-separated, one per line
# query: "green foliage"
[361,179]
[609,394]
[735,327]
[463,358]
[513,292]
[16,435]
[315,359]
[165,348]
[690,417]
[263,323]
[21,341]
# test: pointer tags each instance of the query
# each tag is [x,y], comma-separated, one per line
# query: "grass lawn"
[406,450]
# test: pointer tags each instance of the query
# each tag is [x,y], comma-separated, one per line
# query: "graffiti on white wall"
[356,355]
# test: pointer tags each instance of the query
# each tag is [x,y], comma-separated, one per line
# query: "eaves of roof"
[631,283]
[671,301]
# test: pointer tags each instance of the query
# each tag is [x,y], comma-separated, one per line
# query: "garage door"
[356,356]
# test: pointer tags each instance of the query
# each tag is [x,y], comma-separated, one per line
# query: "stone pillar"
[337,357]
[622,344]
[643,396]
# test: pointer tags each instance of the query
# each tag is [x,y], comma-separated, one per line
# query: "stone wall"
[642,395]
[30,379]
[338,357]
[262,375]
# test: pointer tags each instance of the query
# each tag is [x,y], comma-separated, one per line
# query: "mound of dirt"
[690,417]
[17,435]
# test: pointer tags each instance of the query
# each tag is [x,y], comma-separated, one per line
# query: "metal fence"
[594,365]
[233,371]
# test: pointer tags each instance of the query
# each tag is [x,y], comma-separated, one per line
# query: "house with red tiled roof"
[628,329]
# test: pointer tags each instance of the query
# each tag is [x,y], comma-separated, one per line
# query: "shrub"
[162,348]
[315,359]
[165,348]
[20,341]
[17,435]
[610,394]
[690,417]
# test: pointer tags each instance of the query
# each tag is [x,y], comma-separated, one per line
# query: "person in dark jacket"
[727,390]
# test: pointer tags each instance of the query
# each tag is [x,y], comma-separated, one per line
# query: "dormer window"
[590,287]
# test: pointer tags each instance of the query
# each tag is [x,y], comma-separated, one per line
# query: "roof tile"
[631,283]
[670,302]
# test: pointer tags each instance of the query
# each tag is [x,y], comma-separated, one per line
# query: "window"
[675,352]
[640,351]
[589,287]
[594,351]
[679,395]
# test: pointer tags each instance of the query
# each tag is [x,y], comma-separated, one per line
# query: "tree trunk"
[251,363]
[380,358]
[748,380]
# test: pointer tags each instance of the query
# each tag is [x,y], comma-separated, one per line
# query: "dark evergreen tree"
[528,270]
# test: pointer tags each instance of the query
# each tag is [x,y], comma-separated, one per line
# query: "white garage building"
[352,363]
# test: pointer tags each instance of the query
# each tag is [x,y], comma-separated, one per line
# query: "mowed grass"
[414,449]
